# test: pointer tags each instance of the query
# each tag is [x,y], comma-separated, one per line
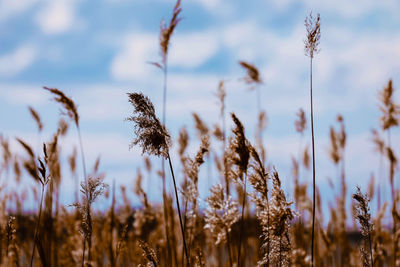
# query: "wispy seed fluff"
[280,216]
[221,213]
[150,134]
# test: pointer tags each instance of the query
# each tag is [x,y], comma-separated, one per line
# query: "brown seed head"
[36,117]
[240,153]
[313,35]
[390,109]
[151,135]
[301,122]
[66,102]
[253,75]
[166,31]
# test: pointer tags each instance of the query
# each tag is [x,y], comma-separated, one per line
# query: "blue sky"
[97,51]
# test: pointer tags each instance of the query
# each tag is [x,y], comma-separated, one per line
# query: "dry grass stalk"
[220,132]
[154,139]
[71,111]
[166,32]
[389,119]
[190,191]
[239,156]
[363,216]
[258,178]
[90,190]
[43,178]
[311,43]
[253,79]
[280,216]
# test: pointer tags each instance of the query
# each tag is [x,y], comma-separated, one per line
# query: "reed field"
[249,216]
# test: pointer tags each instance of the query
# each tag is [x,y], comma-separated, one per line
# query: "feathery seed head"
[166,31]
[221,213]
[313,35]
[35,115]
[239,147]
[151,135]
[253,75]
[362,212]
[301,122]
[390,109]
[200,126]
[183,141]
[70,108]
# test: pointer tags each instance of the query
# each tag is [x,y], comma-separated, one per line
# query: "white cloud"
[192,50]
[342,8]
[130,61]
[56,16]
[18,60]
[218,7]
[189,51]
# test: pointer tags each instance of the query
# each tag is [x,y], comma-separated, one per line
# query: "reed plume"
[166,32]
[363,216]
[389,119]
[70,109]
[36,117]
[67,103]
[239,156]
[190,191]
[311,43]
[91,191]
[150,134]
[258,178]
[280,216]
[253,79]
[148,254]
[221,214]
[220,131]
[337,152]
[154,139]
[39,174]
